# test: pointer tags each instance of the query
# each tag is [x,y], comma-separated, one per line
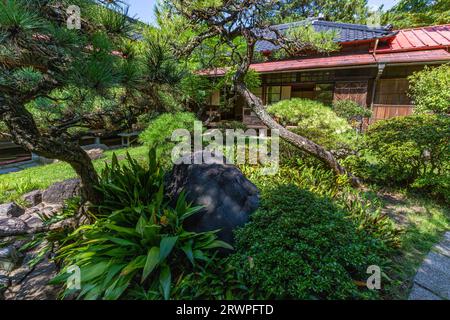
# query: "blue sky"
[143,9]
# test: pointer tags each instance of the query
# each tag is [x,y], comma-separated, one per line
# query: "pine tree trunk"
[25,133]
[302,143]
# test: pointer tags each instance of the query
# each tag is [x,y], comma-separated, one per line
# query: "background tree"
[56,82]
[416,13]
[238,25]
[350,11]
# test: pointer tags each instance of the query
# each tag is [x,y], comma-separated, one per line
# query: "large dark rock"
[227,196]
[61,191]
[11,210]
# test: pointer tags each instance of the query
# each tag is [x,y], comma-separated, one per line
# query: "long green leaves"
[138,239]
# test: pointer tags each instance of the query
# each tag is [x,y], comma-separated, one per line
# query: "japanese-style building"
[370,68]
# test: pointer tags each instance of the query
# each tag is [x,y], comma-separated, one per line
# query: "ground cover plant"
[137,238]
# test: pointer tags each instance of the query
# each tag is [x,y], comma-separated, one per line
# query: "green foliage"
[362,209]
[314,121]
[300,246]
[430,89]
[437,186]
[415,13]
[136,240]
[97,73]
[159,132]
[351,111]
[218,279]
[319,41]
[409,151]
[350,11]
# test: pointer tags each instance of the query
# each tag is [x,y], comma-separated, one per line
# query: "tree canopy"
[416,13]
[56,81]
[350,11]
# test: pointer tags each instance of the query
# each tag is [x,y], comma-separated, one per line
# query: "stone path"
[432,281]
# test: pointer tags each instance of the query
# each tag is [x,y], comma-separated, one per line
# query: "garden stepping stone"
[432,281]
[419,293]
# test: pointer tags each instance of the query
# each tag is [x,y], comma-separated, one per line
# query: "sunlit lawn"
[15,184]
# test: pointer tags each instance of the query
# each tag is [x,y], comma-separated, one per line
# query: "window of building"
[273,94]
[258,92]
[281,78]
[317,76]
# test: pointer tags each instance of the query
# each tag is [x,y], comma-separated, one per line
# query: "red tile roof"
[414,56]
[423,44]
[432,37]
[318,62]
[342,61]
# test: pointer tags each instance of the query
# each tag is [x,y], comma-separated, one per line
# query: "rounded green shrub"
[409,147]
[300,246]
[159,131]
[352,112]
[430,89]
[315,121]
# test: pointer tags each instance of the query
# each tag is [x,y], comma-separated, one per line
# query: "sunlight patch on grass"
[14,185]
[426,222]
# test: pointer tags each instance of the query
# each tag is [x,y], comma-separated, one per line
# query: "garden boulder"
[11,210]
[61,191]
[226,195]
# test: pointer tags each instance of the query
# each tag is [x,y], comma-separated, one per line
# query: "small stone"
[12,225]
[95,154]
[61,191]
[9,258]
[33,221]
[11,210]
[33,198]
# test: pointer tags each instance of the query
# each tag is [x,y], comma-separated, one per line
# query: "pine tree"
[56,80]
